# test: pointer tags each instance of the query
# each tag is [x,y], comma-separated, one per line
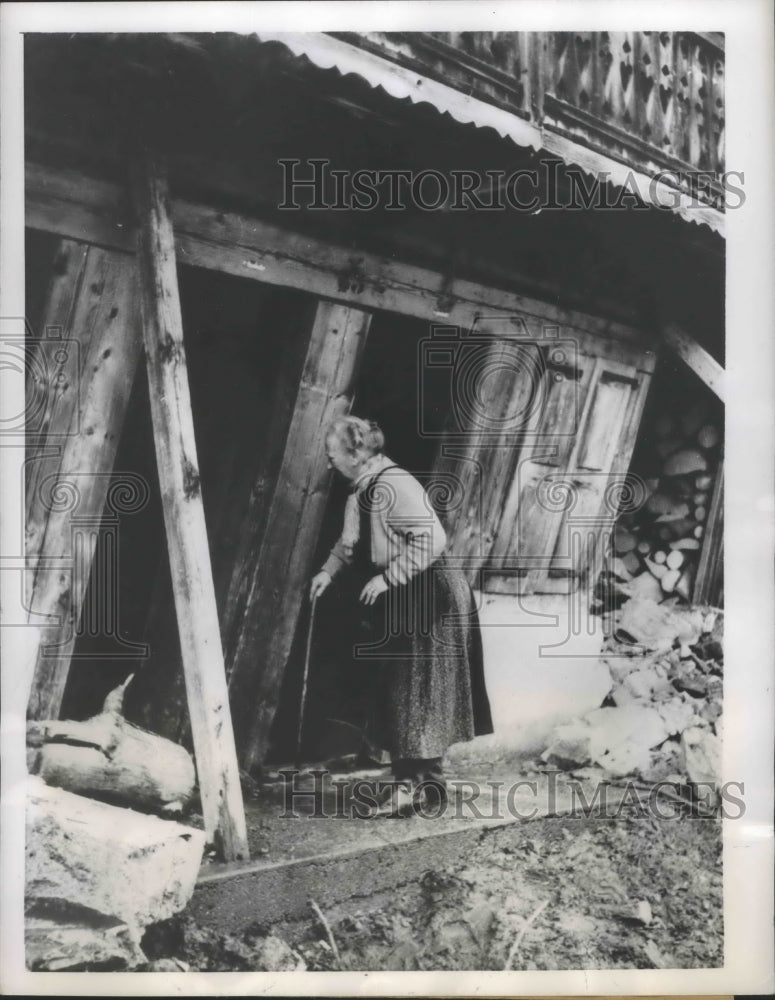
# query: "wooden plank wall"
[262,634]
[87,378]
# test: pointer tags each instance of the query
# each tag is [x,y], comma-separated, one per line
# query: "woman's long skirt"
[422,640]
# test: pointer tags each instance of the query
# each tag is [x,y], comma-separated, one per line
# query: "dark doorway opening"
[389,389]
[237,333]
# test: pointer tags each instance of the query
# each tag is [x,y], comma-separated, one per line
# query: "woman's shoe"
[398,801]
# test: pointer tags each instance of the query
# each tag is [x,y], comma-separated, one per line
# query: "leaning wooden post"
[184,517]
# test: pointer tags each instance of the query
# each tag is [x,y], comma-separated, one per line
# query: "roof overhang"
[327,52]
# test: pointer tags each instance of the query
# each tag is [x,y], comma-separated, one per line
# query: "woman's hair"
[359,437]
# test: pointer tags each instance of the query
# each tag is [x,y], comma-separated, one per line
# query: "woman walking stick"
[305,676]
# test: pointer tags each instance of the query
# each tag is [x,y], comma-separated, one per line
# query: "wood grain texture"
[695,357]
[173,429]
[279,578]
[559,503]
[709,582]
[70,464]
[73,205]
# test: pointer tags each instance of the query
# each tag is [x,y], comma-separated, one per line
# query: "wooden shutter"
[569,475]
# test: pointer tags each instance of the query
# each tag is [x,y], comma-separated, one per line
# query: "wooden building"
[157,214]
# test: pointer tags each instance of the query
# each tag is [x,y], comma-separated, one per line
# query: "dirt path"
[553,893]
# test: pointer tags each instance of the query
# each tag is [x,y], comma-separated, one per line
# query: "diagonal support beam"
[695,357]
[184,516]
[278,575]
[85,373]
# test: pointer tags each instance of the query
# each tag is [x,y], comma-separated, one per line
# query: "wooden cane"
[305,676]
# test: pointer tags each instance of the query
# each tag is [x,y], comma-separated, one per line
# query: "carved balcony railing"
[651,99]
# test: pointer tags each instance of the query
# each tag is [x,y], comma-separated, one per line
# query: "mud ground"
[568,892]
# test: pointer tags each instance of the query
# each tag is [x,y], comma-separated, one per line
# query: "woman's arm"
[419,537]
[338,559]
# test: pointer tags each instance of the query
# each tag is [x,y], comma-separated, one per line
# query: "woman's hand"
[377,585]
[319,584]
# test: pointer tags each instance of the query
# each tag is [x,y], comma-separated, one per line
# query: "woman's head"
[351,441]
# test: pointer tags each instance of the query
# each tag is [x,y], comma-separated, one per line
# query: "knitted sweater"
[406,534]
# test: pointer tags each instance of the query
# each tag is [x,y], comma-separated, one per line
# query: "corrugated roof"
[327,52]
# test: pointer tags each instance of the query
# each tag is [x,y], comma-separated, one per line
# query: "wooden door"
[570,476]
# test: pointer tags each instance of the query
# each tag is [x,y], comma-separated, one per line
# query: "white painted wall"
[542,667]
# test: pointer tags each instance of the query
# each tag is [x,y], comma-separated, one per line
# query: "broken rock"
[701,752]
[647,623]
[135,867]
[570,746]
[677,715]
[61,937]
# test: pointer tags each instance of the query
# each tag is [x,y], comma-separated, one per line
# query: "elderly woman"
[428,648]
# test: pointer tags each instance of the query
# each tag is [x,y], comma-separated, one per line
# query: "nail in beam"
[173,431]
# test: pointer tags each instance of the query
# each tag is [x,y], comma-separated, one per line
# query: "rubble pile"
[662,718]
[655,548]
[98,870]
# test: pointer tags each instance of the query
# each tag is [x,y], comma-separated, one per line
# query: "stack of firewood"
[655,549]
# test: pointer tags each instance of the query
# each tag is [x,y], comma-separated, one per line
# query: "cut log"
[679,513]
[656,569]
[674,559]
[624,541]
[700,513]
[700,499]
[686,544]
[665,505]
[669,580]
[619,569]
[708,436]
[680,528]
[108,756]
[631,562]
[698,531]
[703,481]
[686,461]
[660,557]
[644,546]
[121,863]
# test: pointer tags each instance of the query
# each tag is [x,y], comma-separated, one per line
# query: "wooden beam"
[93,301]
[84,208]
[192,581]
[696,357]
[280,576]
[708,585]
